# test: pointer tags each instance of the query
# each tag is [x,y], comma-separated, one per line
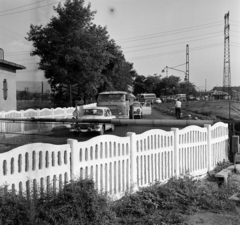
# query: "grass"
[24,105]
[80,203]
[205,109]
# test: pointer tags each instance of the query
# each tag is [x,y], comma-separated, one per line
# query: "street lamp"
[163,70]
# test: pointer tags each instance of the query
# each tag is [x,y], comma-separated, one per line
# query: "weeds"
[80,203]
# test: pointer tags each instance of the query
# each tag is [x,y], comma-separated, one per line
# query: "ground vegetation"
[176,202]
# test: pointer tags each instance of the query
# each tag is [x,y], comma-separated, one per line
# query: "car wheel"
[101,132]
[113,128]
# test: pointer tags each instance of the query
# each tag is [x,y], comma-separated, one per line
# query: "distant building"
[8,99]
[217,95]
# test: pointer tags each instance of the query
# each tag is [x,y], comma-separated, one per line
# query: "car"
[158,101]
[92,113]
[136,110]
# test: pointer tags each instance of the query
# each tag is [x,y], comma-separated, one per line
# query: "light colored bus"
[181,97]
[146,97]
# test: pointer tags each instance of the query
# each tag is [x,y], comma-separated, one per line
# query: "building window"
[5,89]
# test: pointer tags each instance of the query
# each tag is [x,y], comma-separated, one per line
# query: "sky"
[152,34]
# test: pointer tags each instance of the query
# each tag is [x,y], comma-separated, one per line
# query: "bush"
[77,203]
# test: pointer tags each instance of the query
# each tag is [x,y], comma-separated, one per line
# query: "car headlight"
[138,110]
[75,114]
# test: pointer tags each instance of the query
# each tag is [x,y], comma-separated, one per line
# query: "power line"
[166,33]
[31,8]
[170,44]
[175,52]
[220,32]
[21,6]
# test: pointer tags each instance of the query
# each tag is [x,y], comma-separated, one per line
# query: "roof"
[12,65]
[95,107]
[113,92]
[219,93]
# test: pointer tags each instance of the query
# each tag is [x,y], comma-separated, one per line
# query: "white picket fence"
[116,164]
[29,127]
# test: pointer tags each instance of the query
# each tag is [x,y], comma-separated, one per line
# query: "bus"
[146,97]
[117,101]
[181,97]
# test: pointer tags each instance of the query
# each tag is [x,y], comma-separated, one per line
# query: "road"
[119,130]
[60,136]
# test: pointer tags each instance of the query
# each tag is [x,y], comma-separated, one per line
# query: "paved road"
[158,115]
[60,136]
[119,130]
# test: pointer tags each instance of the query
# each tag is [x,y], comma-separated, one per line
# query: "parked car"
[139,109]
[136,110]
[92,113]
[158,101]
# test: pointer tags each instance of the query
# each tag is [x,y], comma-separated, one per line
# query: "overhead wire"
[7,10]
[175,52]
[165,33]
[169,44]
[172,40]
[32,8]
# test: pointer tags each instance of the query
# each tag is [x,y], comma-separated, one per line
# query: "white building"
[8,98]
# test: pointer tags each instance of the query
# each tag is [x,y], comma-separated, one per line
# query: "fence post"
[74,159]
[52,117]
[133,162]
[3,123]
[65,112]
[176,151]
[209,146]
[38,116]
[22,123]
[235,147]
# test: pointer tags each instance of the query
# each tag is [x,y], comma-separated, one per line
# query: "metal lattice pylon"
[226,69]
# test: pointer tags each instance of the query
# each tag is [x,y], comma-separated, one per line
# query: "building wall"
[10,103]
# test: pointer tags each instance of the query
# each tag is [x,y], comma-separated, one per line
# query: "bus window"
[112,98]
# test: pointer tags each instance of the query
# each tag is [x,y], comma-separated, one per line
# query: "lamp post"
[163,70]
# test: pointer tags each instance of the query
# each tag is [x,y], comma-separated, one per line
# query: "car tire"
[101,132]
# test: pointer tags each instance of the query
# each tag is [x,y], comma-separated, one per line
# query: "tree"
[183,86]
[147,84]
[169,85]
[73,50]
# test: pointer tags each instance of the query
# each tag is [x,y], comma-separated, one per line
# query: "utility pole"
[187,74]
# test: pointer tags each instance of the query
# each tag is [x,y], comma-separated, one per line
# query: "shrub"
[78,203]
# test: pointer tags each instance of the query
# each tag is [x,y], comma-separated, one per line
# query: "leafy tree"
[183,86]
[74,52]
[169,85]
[139,85]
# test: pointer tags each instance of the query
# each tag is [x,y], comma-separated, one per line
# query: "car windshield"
[98,112]
[111,98]
[136,104]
